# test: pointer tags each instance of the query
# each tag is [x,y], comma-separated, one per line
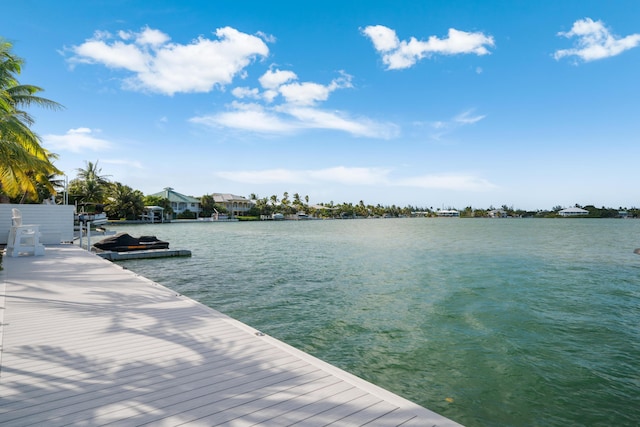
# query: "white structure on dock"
[55,222]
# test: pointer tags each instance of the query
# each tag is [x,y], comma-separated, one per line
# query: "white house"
[179,202]
[497,213]
[448,213]
[235,205]
[573,212]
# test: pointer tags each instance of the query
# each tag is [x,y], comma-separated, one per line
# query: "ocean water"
[490,322]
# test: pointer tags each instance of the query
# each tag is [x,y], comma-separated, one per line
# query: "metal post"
[89,236]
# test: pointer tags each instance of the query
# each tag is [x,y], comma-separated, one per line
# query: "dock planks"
[86,342]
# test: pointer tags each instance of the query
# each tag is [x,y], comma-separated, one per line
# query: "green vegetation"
[26,168]
[93,189]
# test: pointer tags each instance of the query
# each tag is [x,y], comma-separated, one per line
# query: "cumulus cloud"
[291,106]
[594,41]
[360,176]
[280,104]
[157,65]
[397,54]
[76,140]
[273,79]
[245,92]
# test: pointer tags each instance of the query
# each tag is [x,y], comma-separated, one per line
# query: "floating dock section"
[144,254]
[87,342]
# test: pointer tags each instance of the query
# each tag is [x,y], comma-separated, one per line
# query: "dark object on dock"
[124,242]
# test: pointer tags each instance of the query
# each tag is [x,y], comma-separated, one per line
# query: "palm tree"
[23,161]
[125,202]
[90,186]
[43,184]
[92,172]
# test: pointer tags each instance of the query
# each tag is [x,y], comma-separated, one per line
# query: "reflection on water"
[489,322]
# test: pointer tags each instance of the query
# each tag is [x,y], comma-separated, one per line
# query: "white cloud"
[151,37]
[468,118]
[304,93]
[454,182]
[76,140]
[384,39]
[309,93]
[273,79]
[360,176]
[269,176]
[398,54]
[352,175]
[465,118]
[160,66]
[313,118]
[594,41]
[248,117]
[297,111]
[340,174]
[245,92]
[286,119]
[115,55]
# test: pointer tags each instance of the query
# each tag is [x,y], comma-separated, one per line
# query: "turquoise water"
[509,322]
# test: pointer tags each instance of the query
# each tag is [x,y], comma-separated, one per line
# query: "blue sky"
[529,104]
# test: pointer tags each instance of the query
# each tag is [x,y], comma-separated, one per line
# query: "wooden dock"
[86,342]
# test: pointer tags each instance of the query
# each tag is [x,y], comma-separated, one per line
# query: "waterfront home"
[573,212]
[235,205]
[497,213]
[448,213]
[179,202]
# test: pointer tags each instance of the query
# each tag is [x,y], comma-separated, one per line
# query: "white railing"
[55,221]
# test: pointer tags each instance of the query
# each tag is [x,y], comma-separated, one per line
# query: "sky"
[437,104]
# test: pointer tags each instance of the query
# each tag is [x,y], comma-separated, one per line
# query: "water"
[509,322]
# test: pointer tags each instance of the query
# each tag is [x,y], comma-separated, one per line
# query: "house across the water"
[235,205]
[573,212]
[179,202]
[448,213]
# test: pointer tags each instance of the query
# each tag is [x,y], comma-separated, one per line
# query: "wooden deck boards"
[86,342]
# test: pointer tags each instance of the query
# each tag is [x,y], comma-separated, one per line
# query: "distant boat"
[637,251]
[96,215]
[124,242]
[93,218]
[277,216]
